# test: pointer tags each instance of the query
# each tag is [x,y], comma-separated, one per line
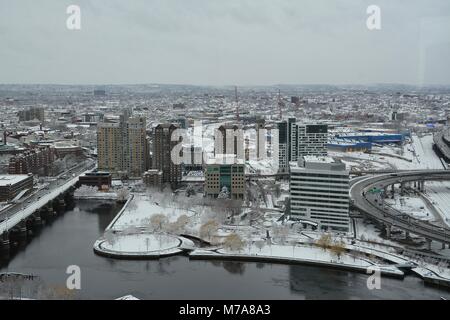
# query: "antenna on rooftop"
[279,105]
[237,103]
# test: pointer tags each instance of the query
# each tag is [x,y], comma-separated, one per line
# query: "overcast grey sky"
[220,42]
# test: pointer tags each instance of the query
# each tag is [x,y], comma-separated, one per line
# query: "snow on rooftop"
[127,297]
[319,159]
[10,179]
[225,159]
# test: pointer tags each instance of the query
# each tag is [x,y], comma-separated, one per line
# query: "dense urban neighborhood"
[224,159]
[344,178]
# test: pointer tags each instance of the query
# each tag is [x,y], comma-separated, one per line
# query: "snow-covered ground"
[264,166]
[411,204]
[298,253]
[143,206]
[141,242]
[437,192]
[415,154]
[439,195]
[420,154]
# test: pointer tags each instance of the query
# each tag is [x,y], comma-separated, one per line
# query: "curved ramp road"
[359,193]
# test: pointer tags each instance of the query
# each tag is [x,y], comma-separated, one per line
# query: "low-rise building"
[221,173]
[100,179]
[153,178]
[12,184]
[32,113]
[37,160]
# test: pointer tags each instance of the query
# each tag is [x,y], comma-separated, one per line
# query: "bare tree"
[337,249]
[208,229]
[182,221]
[57,293]
[224,194]
[324,241]
[85,190]
[442,266]
[233,242]
[179,225]
[260,244]
[190,190]
[157,221]
[110,237]
[122,194]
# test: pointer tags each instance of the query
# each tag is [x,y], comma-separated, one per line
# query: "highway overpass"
[364,200]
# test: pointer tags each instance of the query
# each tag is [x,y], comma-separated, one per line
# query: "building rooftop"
[318,163]
[319,159]
[153,171]
[225,159]
[10,179]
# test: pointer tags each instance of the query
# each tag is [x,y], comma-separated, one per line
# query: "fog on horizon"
[212,42]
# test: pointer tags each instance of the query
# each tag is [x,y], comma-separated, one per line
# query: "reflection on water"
[69,239]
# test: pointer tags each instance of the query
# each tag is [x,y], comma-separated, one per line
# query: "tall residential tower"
[162,148]
[123,147]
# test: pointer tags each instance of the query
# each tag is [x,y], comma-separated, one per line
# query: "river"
[69,238]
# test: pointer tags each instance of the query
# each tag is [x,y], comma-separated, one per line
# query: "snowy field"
[437,192]
[139,211]
[412,205]
[303,252]
[138,243]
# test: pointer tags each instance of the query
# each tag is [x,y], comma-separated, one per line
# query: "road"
[442,140]
[365,202]
[43,195]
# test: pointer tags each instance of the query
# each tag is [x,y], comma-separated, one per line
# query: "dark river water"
[68,241]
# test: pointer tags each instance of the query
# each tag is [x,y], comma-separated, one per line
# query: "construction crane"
[237,103]
[280,104]
[6,133]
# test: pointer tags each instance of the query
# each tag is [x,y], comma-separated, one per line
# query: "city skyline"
[210,150]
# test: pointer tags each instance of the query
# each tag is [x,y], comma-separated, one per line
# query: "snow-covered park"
[154,224]
[140,244]
[139,211]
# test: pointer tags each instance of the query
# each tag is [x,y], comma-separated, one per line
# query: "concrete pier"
[37,221]
[4,244]
[22,230]
[388,231]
